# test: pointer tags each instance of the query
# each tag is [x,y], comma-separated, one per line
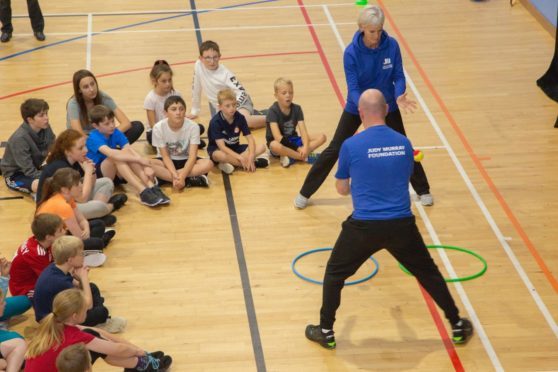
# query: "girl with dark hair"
[86,96]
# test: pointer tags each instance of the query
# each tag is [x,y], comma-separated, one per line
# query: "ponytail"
[51,328]
[63,177]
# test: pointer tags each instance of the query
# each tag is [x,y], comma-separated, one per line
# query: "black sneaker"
[107,236]
[164,198]
[39,35]
[118,201]
[157,354]
[202,128]
[109,220]
[314,333]
[149,197]
[197,181]
[6,36]
[261,163]
[155,364]
[462,331]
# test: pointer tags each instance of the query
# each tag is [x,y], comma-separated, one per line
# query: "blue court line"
[127,26]
[238,246]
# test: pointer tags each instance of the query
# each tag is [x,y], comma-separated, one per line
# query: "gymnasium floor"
[208,278]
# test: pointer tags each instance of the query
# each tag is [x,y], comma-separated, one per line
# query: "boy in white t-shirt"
[177,139]
[212,77]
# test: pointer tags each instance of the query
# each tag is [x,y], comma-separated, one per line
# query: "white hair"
[371,16]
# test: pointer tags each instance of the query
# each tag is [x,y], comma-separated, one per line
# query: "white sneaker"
[285,161]
[300,202]
[114,324]
[94,259]
[227,168]
[426,199]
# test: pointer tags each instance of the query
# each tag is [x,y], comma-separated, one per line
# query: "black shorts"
[239,149]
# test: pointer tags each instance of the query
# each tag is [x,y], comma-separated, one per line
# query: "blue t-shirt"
[379,161]
[220,128]
[51,282]
[117,140]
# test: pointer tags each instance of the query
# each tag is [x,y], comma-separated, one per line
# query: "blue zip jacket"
[380,68]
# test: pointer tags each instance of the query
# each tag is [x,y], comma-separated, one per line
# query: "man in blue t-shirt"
[374,167]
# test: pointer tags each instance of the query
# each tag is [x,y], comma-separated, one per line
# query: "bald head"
[372,107]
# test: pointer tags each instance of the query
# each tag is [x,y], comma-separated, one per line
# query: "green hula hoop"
[463,279]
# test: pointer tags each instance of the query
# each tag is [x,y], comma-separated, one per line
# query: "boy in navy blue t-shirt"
[113,156]
[375,167]
[224,138]
[68,267]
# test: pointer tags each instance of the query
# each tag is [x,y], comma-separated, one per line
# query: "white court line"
[179,11]
[462,294]
[479,329]
[189,30]
[89,41]
[487,215]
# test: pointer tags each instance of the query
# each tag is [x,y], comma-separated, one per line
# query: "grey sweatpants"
[96,208]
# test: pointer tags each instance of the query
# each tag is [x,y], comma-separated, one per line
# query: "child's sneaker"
[462,331]
[286,161]
[226,168]
[149,198]
[312,157]
[261,162]
[114,325]
[315,333]
[197,181]
[117,201]
[163,198]
[107,236]
[94,258]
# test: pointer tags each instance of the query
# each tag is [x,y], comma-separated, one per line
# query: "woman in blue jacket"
[372,60]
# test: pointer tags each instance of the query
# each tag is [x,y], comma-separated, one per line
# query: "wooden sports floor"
[208,279]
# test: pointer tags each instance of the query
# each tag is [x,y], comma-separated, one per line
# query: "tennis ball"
[418,155]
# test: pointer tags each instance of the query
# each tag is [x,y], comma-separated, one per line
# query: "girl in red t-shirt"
[61,328]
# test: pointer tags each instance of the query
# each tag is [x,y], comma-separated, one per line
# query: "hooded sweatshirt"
[26,151]
[379,68]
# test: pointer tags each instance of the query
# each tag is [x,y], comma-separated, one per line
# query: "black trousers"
[98,313]
[348,125]
[135,131]
[358,240]
[96,231]
[35,14]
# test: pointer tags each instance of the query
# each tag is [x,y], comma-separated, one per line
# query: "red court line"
[450,349]
[477,161]
[44,87]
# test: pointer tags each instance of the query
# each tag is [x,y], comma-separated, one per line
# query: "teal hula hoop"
[293,267]
[462,279]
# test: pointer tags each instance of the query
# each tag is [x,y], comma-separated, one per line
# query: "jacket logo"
[387,64]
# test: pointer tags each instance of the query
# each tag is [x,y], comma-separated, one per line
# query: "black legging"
[135,131]
[95,241]
[35,14]
[98,313]
[348,125]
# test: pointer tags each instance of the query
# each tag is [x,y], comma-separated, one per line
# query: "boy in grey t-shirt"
[28,147]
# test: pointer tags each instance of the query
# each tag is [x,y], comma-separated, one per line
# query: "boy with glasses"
[211,77]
